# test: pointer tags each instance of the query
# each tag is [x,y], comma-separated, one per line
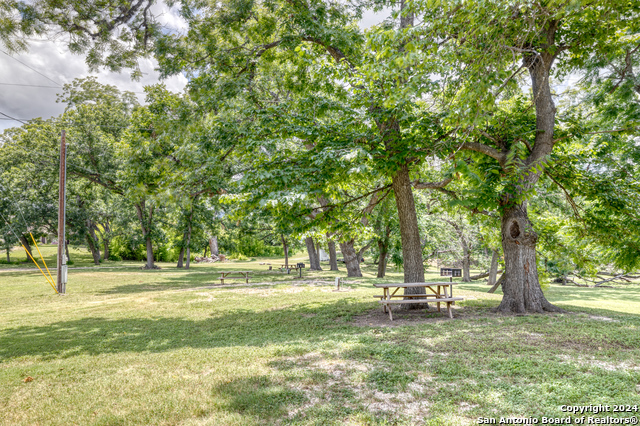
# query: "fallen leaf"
[28,379]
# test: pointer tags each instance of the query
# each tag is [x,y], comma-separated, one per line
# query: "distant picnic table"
[234,275]
[437,293]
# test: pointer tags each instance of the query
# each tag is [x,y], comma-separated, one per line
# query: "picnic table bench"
[234,275]
[438,293]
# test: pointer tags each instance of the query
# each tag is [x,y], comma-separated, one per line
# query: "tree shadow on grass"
[238,327]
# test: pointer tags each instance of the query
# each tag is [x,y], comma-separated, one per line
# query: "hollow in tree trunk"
[351,261]
[333,256]
[409,234]
[314,261]
[521,288]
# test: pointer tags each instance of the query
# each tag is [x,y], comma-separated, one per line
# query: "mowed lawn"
[172,347]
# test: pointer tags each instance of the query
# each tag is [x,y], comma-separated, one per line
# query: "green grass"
[128,346]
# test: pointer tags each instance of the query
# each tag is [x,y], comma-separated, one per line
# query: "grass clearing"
[128,346]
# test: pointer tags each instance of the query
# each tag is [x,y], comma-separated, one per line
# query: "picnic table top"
[407,285]
[234,272]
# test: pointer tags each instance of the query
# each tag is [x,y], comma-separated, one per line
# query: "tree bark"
[351,261]
[521,288]
[92,248]
[333,256]
[466,260]
[493,270]
[8,249]
[149,264]
[409,234]
[382,259]
[25,243]
[314,261]
[285,249]
[181,258]
[213,245]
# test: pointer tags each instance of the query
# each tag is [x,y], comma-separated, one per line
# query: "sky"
[49,63]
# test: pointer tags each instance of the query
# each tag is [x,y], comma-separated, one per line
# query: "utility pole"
[62,193]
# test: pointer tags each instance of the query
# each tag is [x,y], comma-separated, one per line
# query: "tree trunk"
[188,262]
[333,257]
[409,234]
[25,243]
[493,271]
[149,264]
[92,232]
[351,261]
[314,261]
[521,288]
[181,258]
[318,252]
[213,245]
[382,259]
[8,254]
[92,248]
[105,252]
[285,249]
[466,260]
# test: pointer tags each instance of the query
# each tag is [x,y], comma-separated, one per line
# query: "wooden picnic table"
[437,293]
[234,275]
[296,267]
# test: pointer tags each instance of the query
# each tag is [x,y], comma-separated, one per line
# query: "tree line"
[446,113]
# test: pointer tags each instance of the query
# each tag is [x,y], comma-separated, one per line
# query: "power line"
[49,87]
[30,85]
[12,118]
[31,68]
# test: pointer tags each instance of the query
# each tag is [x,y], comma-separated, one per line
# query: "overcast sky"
[49,63]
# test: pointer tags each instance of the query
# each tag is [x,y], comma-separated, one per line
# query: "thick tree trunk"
[213,245]
[351,261]
[149,264]
[521,288]
[409,234]
[318,251]
[333,256]
[382,259]
[493,271]
[314,261]
[285,249]
[92,248]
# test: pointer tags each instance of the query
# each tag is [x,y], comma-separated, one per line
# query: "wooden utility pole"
[62,193]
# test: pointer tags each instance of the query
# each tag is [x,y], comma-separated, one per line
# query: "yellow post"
[41,256]
[34,261]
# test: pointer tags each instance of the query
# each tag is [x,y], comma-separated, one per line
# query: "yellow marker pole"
[34,261]
[41,256]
